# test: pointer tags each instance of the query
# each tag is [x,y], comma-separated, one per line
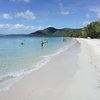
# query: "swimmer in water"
[22,43]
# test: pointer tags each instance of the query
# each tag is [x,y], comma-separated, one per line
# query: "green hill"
[91,30]
[50,31]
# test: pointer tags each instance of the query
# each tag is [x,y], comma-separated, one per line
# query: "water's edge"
[15,77]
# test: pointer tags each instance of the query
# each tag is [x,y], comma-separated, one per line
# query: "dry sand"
[71,75]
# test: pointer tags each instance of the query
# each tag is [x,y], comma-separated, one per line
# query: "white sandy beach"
[72,75]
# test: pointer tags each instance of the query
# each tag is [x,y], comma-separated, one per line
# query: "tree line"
[91,30]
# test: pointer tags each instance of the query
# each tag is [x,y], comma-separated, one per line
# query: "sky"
[26,16]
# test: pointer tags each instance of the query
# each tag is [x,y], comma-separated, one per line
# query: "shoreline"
[46,59]
[49,78]
[68,76]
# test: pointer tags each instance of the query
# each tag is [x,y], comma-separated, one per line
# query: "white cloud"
[86,22]
[63,11]
[27,15]
[14,26]
[96,10]
[26,1]
[6,16]
[18,28]
[87,16]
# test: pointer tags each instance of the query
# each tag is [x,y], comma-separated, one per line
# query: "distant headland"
[91,30]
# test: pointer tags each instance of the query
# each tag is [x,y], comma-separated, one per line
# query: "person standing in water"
[43,42]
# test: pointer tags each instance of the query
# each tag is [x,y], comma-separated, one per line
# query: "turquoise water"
[17,60]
